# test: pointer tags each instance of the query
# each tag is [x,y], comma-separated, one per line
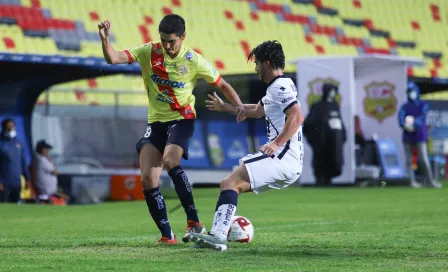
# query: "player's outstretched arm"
[215,103]
[228,91]
[110,55]
[233,97]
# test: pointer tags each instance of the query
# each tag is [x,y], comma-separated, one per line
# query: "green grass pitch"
[333,229]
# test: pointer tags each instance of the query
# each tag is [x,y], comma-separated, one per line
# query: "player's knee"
[229,184]
[149,181]
[170,162]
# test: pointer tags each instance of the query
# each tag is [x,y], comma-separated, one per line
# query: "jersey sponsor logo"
[182,70]
[166,82]
[266,102]
[287,99]
[170,65]
[282,91]
[159,63]
[211,68]
[380,101]
[157,50]
[293,87]
[189,56]
[164,97]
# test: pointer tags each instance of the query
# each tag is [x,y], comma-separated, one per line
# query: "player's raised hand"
[214,103]
[104,29]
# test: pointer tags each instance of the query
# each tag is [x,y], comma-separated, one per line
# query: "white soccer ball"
[241,230]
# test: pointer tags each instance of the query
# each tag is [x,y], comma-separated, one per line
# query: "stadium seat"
[224,31]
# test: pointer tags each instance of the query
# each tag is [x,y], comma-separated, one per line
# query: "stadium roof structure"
[24,77]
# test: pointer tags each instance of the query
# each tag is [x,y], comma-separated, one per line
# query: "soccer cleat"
[435,184]
[192,227]
[415,184]
[209,241]
[167,241]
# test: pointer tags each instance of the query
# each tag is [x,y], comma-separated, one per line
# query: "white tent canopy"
[373,87]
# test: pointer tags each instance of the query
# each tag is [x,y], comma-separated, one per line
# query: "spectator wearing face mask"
[12,163]
[412,119]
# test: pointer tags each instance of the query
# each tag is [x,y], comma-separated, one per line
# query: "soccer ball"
[241,230]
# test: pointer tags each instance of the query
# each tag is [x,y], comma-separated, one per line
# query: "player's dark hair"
[271,51]
[172,24]
[5,123]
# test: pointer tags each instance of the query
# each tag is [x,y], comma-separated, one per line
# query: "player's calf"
[157,209]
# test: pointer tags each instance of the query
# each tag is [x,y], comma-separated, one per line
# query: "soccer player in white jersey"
[279,162]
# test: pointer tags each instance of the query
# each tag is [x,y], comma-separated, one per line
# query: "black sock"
[183,190]
[157,209]
[227,197]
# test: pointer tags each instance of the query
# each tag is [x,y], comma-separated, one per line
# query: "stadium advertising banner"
[126,187]
[260,136]
[311,75]
[380,91]
[437,121]
[197,150]
[227,143]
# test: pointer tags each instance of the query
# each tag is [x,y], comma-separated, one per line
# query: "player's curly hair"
[172,24]
[271,51]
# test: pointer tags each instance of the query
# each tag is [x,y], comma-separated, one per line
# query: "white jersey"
[285,167]
[281,95]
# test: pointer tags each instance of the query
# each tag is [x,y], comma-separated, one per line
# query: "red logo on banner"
[380,101]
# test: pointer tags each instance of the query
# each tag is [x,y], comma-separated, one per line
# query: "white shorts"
[271,173]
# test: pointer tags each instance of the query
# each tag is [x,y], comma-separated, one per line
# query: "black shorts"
[161,134]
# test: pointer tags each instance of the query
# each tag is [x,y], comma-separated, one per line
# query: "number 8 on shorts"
[148,132]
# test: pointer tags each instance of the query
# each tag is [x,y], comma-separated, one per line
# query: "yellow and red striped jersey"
[170,82]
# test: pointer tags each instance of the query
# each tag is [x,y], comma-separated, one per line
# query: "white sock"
[222,220]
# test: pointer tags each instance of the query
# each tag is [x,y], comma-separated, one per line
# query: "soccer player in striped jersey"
[169,70]
[279,162]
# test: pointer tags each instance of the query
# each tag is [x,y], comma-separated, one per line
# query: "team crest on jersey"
[189,56]
[380,101]
[182,69]
[157,50]
[315,88]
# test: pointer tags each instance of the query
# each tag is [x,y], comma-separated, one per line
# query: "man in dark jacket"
[12,163]
[325,132]
[412,119]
